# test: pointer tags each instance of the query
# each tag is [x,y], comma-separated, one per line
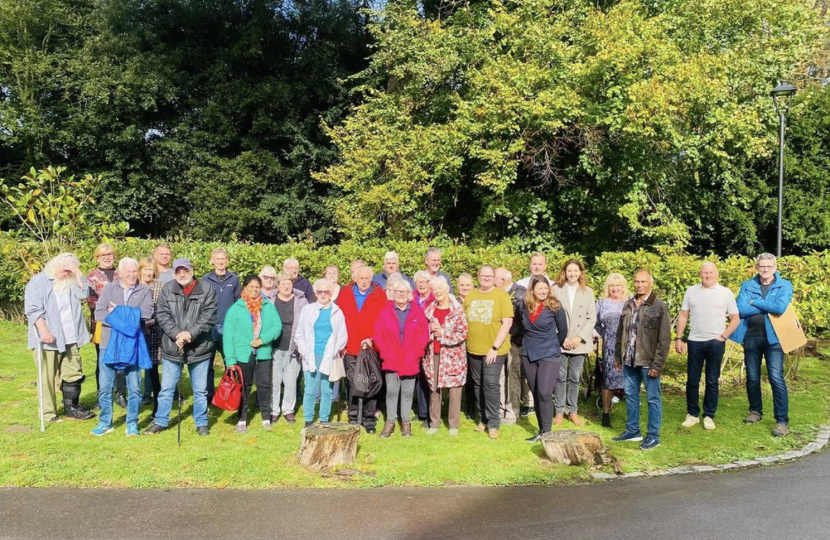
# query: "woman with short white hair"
[423,294]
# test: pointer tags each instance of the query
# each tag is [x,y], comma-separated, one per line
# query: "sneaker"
[132,430]
[493,433]
[274,418]
[203,431]
[649,443]
[526,411]
[308,424]
[371,430]
[432,431]
[536,438]
[101,429]
[266,425]
[289,417]
[78,413]
[708,423]
[753,418]
[121,401]
[628,436]
[480,427]
[147,400]
[691,421]
[154,429]
[780,430]
[55,420]
[453,432]
[241,427]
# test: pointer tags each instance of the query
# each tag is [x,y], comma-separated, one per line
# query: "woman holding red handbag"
[251,326]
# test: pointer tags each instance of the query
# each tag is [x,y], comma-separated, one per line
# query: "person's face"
[615,290]
[292,269]
[434,262]
[391,266]
[501,280]
[64,269]
[219,261]
[465,285]
[129,275]
[252,289]
[401,295]
[541,291]
[324,294]
[440,294]
[364,279]
[572,274]
[642,284]
[766,268]
[183,276]
[538,265]
[162,256]
[485,279]
[422,286]
[285,287]
[147,274]
[708,275]
[269,281]
[333,275]
[353,269]
[106,259]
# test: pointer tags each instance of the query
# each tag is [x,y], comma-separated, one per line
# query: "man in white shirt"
[709,304]
[538,265]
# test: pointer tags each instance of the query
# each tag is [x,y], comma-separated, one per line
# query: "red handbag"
[229,393]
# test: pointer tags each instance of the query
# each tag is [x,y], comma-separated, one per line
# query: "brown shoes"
[388,430]
[576,420]
[557,420]
[480,428]
[493,433]
[406,429]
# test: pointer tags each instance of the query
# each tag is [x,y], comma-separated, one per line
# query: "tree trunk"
[326,445]
[572,447]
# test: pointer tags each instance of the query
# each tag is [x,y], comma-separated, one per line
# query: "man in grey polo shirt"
[709,304]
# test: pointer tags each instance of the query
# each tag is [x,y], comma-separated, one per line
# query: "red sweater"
[401,358]
[360,324]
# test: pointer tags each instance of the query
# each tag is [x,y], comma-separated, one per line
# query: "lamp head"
[781,97]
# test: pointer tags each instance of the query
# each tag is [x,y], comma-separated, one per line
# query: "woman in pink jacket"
[401,336]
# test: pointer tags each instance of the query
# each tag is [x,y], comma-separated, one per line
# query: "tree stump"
[572,447]
[326,445]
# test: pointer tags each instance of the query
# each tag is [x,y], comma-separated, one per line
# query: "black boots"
[606,420]
[71,402]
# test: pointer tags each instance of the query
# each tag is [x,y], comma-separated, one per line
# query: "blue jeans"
[700,353]
[633,376]
[754,348]
[171,372]
[106,381]
[313,381]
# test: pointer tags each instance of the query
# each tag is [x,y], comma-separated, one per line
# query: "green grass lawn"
[66,455]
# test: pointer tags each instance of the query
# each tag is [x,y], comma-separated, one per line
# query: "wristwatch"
[495,348]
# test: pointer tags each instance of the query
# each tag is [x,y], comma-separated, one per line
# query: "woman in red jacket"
[401,336]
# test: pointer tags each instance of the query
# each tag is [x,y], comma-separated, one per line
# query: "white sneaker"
[691,421]
[708,423]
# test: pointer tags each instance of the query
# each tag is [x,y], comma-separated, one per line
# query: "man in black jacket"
[512,387]
[186,314]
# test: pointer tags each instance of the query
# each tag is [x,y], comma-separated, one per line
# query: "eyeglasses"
[401,292]
[268,277]
[765,267]
[483,276]
[323,292]
[106,255]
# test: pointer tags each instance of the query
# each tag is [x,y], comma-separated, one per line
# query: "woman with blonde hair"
[609,309]
[98,278]
[332,273]
[148,274]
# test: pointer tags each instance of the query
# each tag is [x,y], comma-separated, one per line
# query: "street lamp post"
[781,97]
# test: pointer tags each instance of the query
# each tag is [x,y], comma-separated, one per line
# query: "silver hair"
[508,275]
[268,268]
[365,266]
[391,256]
[708,263]
[439,282]
[319,282]
[399,281]
[432,251]
[291,260]
[420,274]
[124,262]
[52,265]
[217,251]
[766,257]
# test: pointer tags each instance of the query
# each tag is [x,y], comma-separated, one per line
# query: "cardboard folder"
[788,330]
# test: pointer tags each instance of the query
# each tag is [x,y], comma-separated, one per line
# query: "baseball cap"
[182,263]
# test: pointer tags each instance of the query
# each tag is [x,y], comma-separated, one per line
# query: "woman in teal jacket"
[250,329]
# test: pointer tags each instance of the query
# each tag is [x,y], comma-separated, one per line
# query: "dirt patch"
[18,429]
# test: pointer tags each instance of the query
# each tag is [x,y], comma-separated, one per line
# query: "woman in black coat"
[545,327]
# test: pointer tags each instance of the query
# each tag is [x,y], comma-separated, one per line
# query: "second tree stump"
[326,445]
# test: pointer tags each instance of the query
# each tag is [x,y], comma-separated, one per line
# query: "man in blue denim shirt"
[765,294]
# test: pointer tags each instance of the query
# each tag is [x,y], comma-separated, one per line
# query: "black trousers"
[155,380]
[542,377]
[369,404]
[487,388]
[261,370]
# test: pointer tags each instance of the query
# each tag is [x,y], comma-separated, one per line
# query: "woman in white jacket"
[321,335]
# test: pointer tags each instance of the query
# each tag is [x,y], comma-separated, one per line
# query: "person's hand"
[186,336]
[256,343]
[366,343]
[617,366]
[434,327]
[720,339]
[47,337]
[149,323]
[653,373]
[679,346]
[111,307]
[491,356]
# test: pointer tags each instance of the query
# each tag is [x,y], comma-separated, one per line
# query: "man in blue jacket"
[227,287]
[765,294]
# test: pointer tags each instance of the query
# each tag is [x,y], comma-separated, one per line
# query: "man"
[122,356]
[432,259]
[361,303]
[765,294]
[489,318]
[643,340]
[538,266]
[359,263]
[709,304]
[52,304]
[162,255]
[391,264]
[227,288]
[292,268]
[511,378]
[186,313]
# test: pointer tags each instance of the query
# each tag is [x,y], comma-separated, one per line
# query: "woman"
[148,275]
[609,309]
[545,323]
[465,285]
[445,363]
[268,278]
[321,335]
[400,336]
[286,365]
[423,294]
[97,278]
[332,273]
[580,306]
[250,328]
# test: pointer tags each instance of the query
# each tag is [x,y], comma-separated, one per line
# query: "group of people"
[509,349]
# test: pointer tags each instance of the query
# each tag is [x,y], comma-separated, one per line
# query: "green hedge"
[673,273]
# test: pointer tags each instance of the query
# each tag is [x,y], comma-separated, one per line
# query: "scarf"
[255,309]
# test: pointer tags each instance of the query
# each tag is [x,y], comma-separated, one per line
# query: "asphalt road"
[785,502]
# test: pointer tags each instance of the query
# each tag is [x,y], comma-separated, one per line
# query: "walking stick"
[40,380]
[179,383]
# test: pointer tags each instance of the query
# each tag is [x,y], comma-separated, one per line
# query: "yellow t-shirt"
[484,314]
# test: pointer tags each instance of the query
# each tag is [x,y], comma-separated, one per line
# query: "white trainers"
[691,421]
[708,423]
